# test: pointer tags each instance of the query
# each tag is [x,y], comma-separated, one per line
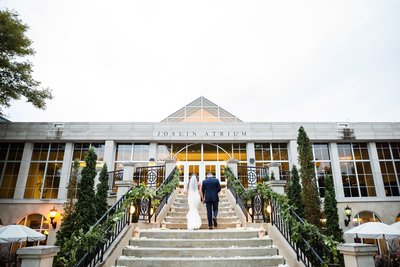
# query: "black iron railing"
[239,200]
[165,198]
[114,176]
[152,176]
[250,176]
[111,233]
[312,253]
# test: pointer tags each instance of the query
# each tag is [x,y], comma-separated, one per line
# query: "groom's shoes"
[215,222]
[210,228]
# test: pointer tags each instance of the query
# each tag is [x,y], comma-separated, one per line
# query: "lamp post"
[347,211]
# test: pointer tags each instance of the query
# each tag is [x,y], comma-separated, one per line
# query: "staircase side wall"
[163,213]
[285,249]
[237,209]
[118,246]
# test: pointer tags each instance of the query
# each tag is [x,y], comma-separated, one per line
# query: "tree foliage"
[102,193]
[85,206]
[309,195]
[294,192]
[16,72]
[331,212]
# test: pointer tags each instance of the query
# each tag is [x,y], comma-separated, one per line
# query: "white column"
[292,153]
[66,170]
[336,173]
[358,255]
[376,170]
[170,164]
[127,180]
[37,256]
[109,154]
[251,155]
[23,171]
[153,153]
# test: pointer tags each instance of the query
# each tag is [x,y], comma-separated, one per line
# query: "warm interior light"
[269,209]
[132,209]
[46,232]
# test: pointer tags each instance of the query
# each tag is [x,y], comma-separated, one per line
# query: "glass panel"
[224,152]
[163,151]
[210,152]
[124,152]
[194,152]
[141,152]
[3,150]
[344,152]
[179,152]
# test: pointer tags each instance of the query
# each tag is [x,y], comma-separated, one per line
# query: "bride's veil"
[193,183]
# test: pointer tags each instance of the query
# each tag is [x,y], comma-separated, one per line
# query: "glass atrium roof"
[201,110]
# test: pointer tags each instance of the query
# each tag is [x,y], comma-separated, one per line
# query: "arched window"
[36,222]
[364,217]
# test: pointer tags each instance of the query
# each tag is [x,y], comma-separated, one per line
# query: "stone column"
[153,154]
[66,170]
[376,170]
[274,167]
[23,171]
[109,154]
[292,153]
[170,164]
[37,256]
[251,155]
[358,255]
[233,166]
[127,180]
[277,186]
[336,173]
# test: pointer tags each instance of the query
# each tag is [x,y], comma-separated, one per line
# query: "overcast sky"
[260,60]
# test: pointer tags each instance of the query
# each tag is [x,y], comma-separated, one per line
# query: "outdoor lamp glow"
[132,209]
[53,214]
[269,209]
[347,211]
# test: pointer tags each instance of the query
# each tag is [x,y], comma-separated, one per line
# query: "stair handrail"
[116,228]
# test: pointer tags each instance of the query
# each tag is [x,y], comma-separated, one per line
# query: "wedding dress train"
[193,216]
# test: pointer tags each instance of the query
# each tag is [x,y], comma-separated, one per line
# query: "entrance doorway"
[201,168]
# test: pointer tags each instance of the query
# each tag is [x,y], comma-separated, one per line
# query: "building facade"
[35,158]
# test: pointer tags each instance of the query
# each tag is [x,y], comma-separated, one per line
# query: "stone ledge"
[357,249]
[38,251]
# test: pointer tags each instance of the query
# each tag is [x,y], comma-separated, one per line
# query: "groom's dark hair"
[210,174]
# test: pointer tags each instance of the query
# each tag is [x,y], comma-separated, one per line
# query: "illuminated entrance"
[202,159]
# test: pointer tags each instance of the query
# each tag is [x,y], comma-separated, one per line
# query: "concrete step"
[186,209]
[203,214]
[185,205]
[200,243]
[129,261]
[184,200]
[199,252]
[183,225]
[201,234]
[203,219]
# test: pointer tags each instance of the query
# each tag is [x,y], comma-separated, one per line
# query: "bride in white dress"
[193,216]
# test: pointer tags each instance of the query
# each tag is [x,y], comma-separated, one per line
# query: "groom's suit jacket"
[210,189]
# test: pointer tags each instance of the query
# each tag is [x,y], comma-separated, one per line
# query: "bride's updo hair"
[195,174]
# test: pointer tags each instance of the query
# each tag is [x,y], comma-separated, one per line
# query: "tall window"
[80,153]
[389,160]
[45,171]
[322,165]
[10,161]
[272,152]
[36,222]
[164,151]
[356,170]
[138,153]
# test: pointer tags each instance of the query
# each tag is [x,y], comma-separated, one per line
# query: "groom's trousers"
[212,211]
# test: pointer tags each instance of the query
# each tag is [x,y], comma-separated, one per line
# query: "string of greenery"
[82,242]
[299,230]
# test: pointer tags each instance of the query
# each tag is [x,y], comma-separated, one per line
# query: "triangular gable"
[201,110]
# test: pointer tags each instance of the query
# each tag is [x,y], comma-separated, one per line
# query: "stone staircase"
[228,245]
[176,217]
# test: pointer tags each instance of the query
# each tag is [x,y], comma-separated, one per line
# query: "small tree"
[309,196]
[294,192]
[102,193]
[331,211]
[68,225]
[85,206]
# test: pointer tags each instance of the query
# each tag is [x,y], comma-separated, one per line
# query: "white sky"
[260,60]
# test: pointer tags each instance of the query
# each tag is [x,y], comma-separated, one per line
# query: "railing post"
[233,166]
[358,255]
[274,167]
[127,181]
[38,256]
[170,165]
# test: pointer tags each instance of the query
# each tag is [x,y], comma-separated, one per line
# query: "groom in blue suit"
[210,189]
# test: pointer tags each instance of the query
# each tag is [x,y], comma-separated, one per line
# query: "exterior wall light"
[53,214]
[132,209]
[347,211]
[269,210]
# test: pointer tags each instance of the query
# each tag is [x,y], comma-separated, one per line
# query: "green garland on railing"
[97,234]
[298,229]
